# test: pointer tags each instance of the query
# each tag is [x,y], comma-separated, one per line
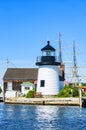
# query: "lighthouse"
[48,72]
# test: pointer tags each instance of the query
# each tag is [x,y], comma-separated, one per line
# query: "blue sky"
[26,25]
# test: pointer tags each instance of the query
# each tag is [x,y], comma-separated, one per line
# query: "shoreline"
[43,101]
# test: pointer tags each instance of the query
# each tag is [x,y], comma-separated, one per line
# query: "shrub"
[75,92]
[0,90]
[84,94]
[68,91]
[31,94]
[38,95]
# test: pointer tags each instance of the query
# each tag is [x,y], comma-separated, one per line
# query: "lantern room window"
[48,53]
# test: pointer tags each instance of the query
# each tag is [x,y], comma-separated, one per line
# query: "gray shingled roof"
[21,74]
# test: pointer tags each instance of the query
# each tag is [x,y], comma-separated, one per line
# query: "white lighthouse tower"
[48,72]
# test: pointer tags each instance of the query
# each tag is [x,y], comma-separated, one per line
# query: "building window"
[27,88]
[9,86]
[42,83]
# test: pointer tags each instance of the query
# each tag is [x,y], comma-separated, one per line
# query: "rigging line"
[8,62]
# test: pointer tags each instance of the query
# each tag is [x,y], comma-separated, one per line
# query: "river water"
[41,117]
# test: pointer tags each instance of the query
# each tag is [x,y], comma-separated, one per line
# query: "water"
[31,117]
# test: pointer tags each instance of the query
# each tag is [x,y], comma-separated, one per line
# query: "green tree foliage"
[31,94]
[0,90]
[83,84]
[68,91]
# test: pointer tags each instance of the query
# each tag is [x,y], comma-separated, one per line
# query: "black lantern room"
[48,56]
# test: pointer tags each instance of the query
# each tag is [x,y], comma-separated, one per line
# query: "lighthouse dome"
[48,47]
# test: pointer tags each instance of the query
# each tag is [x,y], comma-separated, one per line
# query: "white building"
[26,87]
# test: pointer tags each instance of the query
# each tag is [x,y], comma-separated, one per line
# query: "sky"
[27,25]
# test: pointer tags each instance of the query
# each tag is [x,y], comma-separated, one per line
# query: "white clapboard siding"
[50,74]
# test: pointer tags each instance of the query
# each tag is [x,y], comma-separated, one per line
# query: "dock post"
[80,97]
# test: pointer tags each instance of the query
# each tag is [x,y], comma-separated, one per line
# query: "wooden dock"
[81,101]
[43,101]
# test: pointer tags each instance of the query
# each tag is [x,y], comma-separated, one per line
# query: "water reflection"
[31,117]
[50,117]
[45,115]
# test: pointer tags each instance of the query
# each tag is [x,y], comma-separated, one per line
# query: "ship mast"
[75,71]
[60,49]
